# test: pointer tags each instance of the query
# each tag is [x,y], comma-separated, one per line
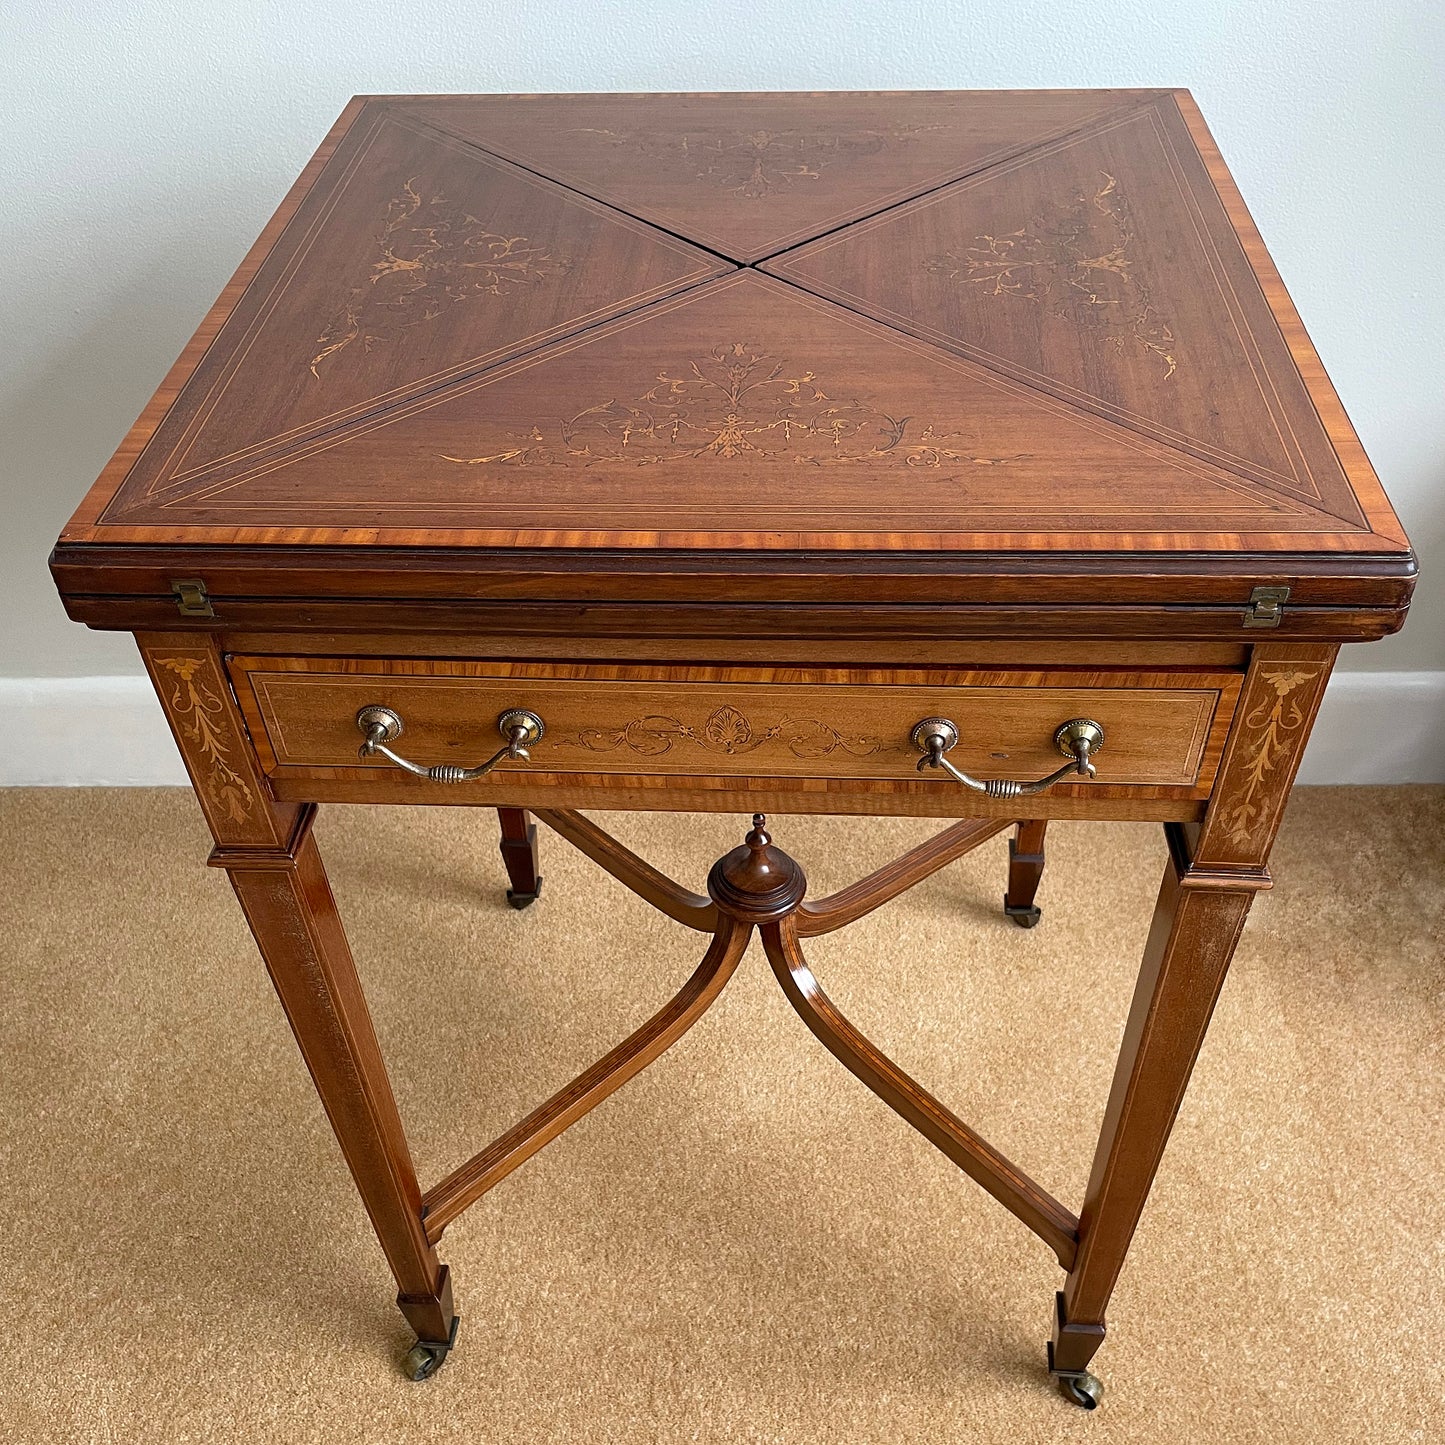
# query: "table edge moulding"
[950,455]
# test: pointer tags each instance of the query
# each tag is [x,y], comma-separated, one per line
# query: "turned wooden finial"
[756,882]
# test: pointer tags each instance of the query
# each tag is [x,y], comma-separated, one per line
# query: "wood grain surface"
[1103,270]
[1033,330]
[1161,728]
[748,174]
[416,260]
[742,399]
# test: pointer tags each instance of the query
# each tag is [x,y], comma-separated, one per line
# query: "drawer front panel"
[1160,729]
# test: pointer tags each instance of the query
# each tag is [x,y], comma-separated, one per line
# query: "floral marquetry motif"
[1099,268]
[734,403]
[200,713]
[1080,265]
[750,175]
[190,678]
[727,730]
[418,260]
[1272,722]
[853,454]
[431,255]
[756,164]
[974,324]
[747,407]
[1269,726]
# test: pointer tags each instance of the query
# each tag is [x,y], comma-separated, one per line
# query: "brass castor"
[1026,917]
[524,900]
[1084,1390]
[426,1357]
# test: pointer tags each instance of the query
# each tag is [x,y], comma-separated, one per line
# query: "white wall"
[145,144]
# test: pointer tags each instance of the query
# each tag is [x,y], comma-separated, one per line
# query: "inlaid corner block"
[941,454]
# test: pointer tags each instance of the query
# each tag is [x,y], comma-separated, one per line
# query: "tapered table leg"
[276,870]
[520,855]
[288,903]
[1025,870]
[1190,945]
[1211,878]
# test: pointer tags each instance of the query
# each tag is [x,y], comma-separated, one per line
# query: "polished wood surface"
[189,676]
[1204,899]
[965,654]
[692,910]
[723,722]
[320,588]
[748,174]
[1003,1179]
[746,399]
[1032,330]
[709,622]
[1103,270]
[404,268]
[884,884]
[734,435]
[1025,872]
[1092,802]
[520,856]
[275,867]
[465,1185]
[1283,691]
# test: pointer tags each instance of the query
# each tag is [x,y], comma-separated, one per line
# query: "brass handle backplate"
[382,725]
[1078,740]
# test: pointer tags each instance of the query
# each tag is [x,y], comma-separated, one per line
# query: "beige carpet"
[743,1244]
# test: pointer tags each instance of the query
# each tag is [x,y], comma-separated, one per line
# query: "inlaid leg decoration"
[1025,869]
[274,865]
[288,903]
[757,884]
[1214,871]
[519,854]
[463,1187]
[1197,922]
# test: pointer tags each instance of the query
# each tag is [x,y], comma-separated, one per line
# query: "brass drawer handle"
[383,725]
[1078,740]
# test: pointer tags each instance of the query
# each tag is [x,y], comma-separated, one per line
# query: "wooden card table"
[955,455]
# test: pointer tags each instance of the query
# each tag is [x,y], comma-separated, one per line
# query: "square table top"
[978,328]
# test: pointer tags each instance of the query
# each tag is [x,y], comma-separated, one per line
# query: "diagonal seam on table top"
[1115,115]
[305,227]
[841,220]
[780,266]
[1247,488]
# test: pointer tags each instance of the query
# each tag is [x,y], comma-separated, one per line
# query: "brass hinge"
[191,599]
[1266,606]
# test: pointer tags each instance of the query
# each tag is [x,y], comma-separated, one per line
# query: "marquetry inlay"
[200,714]
[726,730]
[1099,267]
[1267,731]
[921,322]
[732,403]
[1078,263]
[755,164]
[431,255]
[750,175]
[744,453]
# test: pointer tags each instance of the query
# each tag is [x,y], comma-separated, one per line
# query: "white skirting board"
[1374,727]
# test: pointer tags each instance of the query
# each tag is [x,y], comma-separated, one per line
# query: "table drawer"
[1162,729]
